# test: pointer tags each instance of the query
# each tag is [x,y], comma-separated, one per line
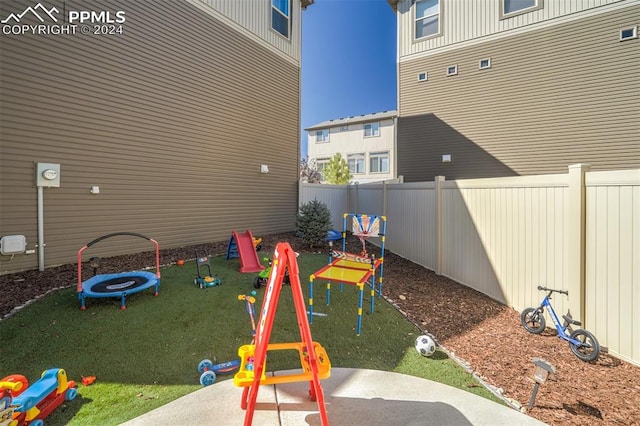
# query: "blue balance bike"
[583,344]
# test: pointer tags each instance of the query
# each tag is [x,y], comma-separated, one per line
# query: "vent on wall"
[484,63]
[629,33]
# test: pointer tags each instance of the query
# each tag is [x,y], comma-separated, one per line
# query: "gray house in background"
[175,119]
[503,88]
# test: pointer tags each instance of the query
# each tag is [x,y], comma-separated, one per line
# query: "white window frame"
[634,33]
[356,159]
[321,163]
[322,136]
[378,157]
[275,9]
[539,4]
[423,76]
[452,70]
[373,133]
[485,67]
[416,20]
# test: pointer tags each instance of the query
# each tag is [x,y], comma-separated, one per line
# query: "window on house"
[422,76]
[356,163]
[371,129]
[516,7]
[379,162]
[321,163]
[452,70]
[427,20]
[280,16]
[322,136]
[628,33]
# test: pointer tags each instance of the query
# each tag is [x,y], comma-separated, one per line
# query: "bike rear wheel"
[532,320]
[588,349]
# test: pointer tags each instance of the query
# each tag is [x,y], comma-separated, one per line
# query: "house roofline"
[354,119]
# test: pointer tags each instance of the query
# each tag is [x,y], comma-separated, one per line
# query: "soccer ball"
[425,345]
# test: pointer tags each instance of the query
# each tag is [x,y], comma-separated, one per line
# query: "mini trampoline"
[119,284]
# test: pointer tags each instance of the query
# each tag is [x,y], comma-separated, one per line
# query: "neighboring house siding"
[171,120]
[466,20]
[559,95]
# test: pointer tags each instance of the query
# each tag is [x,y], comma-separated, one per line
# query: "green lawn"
[147,355]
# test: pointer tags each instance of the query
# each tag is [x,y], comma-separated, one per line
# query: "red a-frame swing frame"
[313,358]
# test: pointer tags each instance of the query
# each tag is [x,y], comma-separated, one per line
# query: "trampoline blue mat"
[116,285]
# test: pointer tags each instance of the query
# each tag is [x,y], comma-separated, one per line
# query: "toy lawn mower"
[205,281]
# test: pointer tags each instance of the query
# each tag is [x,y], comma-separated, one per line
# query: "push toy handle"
[12,386]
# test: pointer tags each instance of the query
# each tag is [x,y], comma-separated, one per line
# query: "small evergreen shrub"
[313,222]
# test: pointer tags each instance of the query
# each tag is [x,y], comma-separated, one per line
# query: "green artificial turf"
[147,355]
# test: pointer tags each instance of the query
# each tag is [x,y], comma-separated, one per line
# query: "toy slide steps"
[249,261]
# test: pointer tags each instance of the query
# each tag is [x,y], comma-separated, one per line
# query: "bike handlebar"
[552,290]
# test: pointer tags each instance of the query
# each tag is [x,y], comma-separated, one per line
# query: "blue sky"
[348,60]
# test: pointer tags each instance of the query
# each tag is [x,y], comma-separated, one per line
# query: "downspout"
[47,175]
[40,228]
[396,172]
[395,150]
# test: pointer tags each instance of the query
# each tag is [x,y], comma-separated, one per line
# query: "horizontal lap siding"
[464,20]
[556,96]
[171,120]
[251,15]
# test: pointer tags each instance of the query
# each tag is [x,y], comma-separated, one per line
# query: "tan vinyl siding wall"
[464,20]
[251,15]
[560,95]
[336,197]
[171,120]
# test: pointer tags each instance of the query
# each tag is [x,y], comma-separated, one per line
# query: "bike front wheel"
[533,320]
[588,349]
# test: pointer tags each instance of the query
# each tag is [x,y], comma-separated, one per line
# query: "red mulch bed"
[482,334]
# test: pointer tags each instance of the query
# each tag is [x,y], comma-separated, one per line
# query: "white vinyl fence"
[578,231]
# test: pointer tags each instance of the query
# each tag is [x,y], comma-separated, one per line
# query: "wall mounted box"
[13,244]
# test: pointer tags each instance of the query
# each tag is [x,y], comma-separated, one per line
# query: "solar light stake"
[540,374]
